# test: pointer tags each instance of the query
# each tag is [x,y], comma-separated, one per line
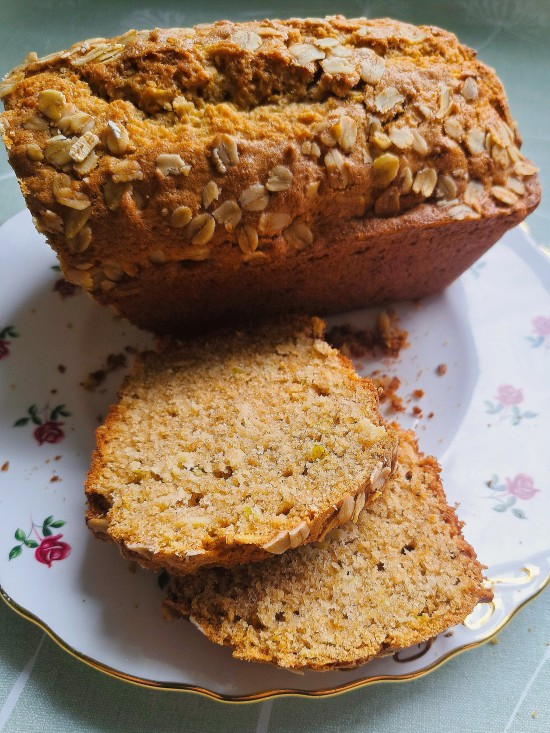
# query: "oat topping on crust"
[269,129]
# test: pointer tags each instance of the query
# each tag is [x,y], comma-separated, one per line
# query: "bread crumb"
[387,390]
[393,338]
[64,288]
[441,370]
[386,336]
[95,379]
[353,343]
[5,466]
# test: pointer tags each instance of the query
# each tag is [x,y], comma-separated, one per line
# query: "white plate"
[491,423]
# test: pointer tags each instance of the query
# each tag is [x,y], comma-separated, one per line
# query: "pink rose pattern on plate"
[506,494]
[541,329]
[48,548]
[507,401]
[49,429]
[6,334]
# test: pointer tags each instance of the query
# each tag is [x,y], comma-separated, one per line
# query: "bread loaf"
[401,575]
[192,177]
[235,447]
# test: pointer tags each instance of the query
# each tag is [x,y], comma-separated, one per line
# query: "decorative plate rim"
[267,694]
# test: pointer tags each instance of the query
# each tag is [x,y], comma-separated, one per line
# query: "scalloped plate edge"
[269,694]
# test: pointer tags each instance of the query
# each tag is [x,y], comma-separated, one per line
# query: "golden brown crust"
[139,498]
[357,595]
[320,137]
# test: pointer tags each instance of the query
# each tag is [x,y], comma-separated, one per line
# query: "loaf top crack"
[233,447]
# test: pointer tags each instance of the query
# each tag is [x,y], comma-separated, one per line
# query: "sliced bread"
[237,446]
[401,575]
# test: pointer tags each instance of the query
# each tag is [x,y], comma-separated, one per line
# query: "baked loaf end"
[309,165]
[235,447]
[403,574]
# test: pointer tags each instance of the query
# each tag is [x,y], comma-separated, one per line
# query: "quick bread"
[401,575]
[237,446]
[192,177]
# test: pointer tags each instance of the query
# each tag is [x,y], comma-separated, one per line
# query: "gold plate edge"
[268,694]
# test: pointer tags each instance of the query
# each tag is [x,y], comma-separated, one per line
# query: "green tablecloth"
[496,688]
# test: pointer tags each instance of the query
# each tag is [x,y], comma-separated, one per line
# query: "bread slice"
[401,575]
[239,445]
